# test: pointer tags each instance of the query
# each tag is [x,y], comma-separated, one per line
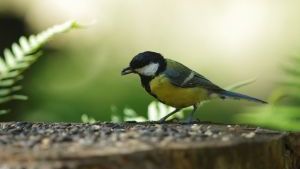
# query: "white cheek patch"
[148,70]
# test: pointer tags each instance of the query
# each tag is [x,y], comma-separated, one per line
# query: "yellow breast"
[176,96]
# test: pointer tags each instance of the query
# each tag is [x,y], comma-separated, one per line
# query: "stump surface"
[146,146]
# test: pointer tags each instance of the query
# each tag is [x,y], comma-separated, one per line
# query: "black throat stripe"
[146,84]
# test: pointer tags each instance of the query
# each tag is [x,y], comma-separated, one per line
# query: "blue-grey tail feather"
[240,96]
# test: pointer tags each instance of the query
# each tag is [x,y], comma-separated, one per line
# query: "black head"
[146,63]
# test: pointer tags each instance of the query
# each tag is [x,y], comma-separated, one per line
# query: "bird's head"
[146,64]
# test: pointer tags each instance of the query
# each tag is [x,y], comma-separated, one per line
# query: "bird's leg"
[168,115]
[190,117]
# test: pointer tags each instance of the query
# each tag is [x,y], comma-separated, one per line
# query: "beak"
[126,71]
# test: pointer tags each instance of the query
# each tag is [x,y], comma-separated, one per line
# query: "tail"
[234,95]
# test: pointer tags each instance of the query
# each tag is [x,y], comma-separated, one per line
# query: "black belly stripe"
[146,82]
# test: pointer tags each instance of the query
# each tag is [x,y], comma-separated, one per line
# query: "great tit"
[176,85]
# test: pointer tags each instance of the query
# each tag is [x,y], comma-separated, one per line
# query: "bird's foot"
[164,120]
[190,120]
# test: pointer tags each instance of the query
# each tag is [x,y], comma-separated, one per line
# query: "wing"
[183,76]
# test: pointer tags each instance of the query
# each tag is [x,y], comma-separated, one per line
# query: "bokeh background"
[227,41]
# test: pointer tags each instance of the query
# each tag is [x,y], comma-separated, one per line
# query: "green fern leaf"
[280,114]
[21,56]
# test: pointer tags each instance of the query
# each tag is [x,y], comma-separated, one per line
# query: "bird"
[176,85]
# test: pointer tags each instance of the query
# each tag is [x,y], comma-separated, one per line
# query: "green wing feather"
[184,77]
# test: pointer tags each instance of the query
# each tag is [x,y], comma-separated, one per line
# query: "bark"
[146,146]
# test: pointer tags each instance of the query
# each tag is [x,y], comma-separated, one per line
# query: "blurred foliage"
[283,112]
[156,111]
[20,57]
[240,84]
[86,119]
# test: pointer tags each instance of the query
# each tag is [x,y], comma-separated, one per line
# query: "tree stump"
[145,146]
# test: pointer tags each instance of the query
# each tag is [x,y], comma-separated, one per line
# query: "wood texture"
[146,146]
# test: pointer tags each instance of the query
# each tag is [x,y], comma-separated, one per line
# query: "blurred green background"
[227,41]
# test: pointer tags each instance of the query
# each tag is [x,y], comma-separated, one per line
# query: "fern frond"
[21,56]
[292,72]
[279,114]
